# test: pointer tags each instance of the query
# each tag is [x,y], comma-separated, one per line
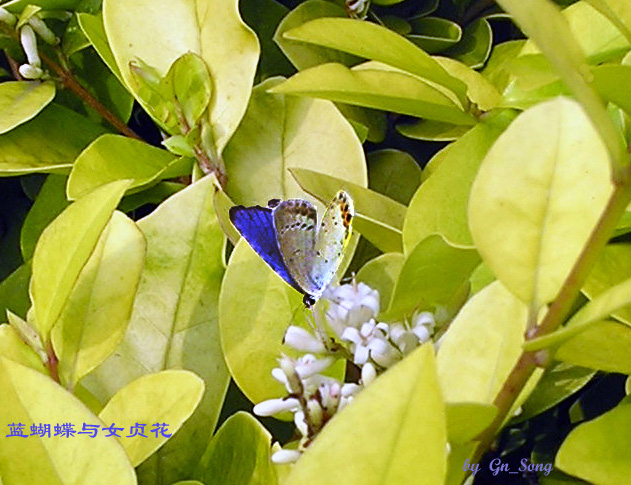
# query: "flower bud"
[350,389]
[7,17]
[314,411]
[308,365]
[42,29]
[288,367]
[29,44]
[369,374]
[331,394]
[383,353]
[276,406]
[30,72]
[303,341]
[301,424]
[285,456]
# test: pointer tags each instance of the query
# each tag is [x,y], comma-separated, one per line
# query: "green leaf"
[475,46]
[466,420]
[48,143]
[93,28]
[618,13]
[13,347]
[174,320]
[481,277]
[458,454]
[393,173]
[192,86]
[95,75]
[440,204]
[612,269]
[14,291]
[430,130]
[432,274]
[154,195]
[16,6]
[238,453]
[602,346]
[600,450]
[64,247]
[557,383]
[168,397]
[394,432]
[434,34]
[542,22]
[610,300]
[279,132]
[607,81]
[115,157]
[374,42]
[176,28]
[73,39]
[406,94]
[481,346]
[302,55]
[479,90]
[537,196]
[381,274]
[496,69]
[94,319]
[50,201]
[377,217]
[374,121]
[515,97]
[30,397]
[20,101]
[256,306]
[596,35]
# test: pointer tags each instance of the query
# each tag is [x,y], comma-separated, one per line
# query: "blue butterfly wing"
[256,225]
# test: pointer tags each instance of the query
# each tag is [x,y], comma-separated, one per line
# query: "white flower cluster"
[372,346]
[32,69]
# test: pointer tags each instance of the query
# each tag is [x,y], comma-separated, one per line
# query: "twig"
[71,83]
[558,312]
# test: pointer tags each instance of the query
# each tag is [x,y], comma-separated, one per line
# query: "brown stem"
[71,83]
[558,312]
[52,363]
[205,163]
[13,65]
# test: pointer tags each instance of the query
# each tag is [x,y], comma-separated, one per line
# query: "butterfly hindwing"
[256,225]
[333,236]
[295,221]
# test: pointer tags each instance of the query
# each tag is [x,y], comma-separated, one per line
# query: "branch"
[71,83]
[558,312]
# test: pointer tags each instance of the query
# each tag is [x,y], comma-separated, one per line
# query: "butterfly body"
[288,238]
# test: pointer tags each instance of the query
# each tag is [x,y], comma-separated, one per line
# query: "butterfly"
[287,236]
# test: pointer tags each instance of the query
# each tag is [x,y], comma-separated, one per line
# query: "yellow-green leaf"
[31,398]
[238,453]
[482,345]
[97,312]
[22,100]
[375,42]
[64,247]
[168,397]
[600,450]
[537,196]
[213,29]
[406,93]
